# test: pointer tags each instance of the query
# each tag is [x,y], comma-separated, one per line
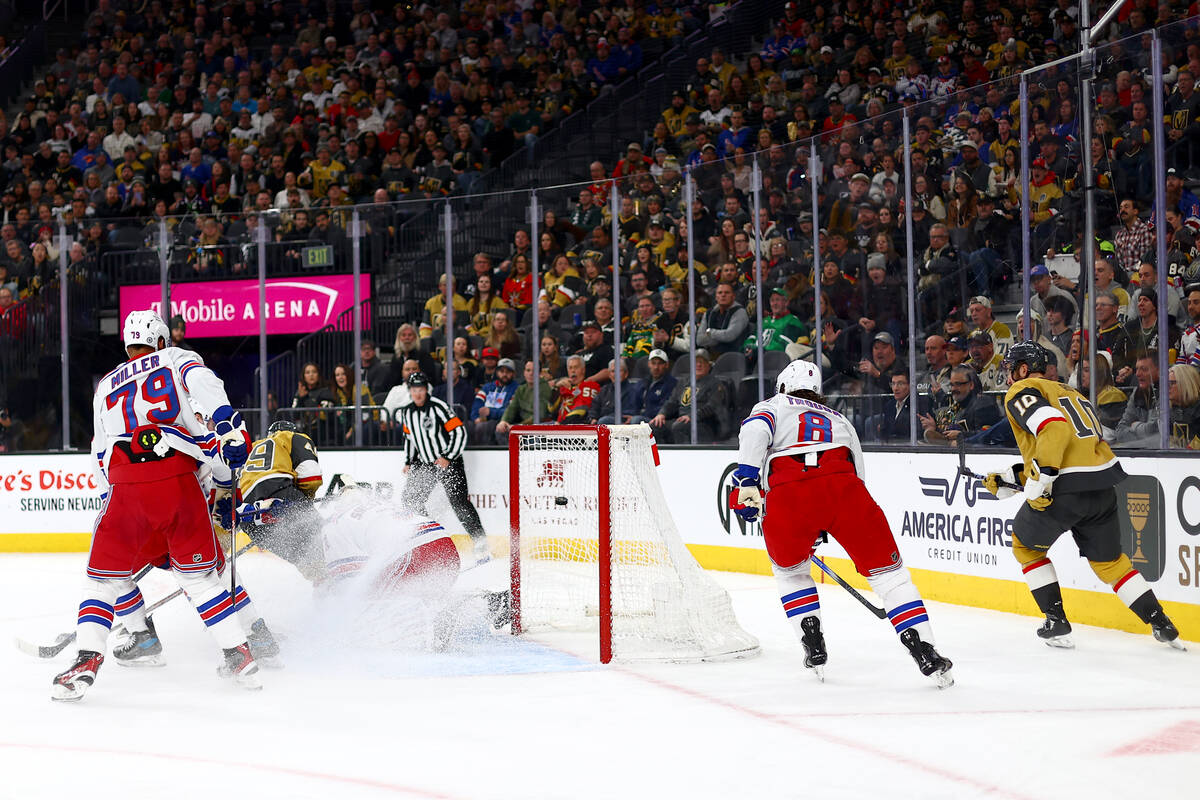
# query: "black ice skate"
[1056,631]
[1164,630]
[499,609]
[140,649]
[70,686]
[241,667]
[928,660]
[263,645]
[813,641]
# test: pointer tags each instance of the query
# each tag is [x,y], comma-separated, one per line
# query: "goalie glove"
[1038,484]
[232,437]
[746,499]
[994,481]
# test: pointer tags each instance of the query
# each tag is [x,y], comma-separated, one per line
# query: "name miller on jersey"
[133,368]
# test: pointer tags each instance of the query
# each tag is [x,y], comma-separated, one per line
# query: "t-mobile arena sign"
[230,308]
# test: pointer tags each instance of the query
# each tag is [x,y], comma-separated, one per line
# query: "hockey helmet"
[145,328]
[1027,352]
[417,379]
[284,425]
[799,375]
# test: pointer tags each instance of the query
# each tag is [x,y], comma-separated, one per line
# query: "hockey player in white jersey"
[148,448]
[806,458]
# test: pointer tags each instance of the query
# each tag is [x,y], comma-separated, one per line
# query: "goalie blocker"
[594,547]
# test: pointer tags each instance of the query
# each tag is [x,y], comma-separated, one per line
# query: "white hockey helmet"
[145,328]
[799,375]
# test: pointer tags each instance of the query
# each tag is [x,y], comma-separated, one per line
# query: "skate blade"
[819,671]
[251,683]
[63,694]
[944,680]
[1061,642]
[144,662]
[1177,645]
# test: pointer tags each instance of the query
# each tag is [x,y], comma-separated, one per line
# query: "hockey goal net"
[594,546]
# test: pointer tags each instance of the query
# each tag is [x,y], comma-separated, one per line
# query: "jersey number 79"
[158,390]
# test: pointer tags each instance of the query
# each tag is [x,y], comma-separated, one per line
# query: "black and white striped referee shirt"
[431,431]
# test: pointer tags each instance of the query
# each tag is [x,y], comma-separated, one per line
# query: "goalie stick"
[61,641]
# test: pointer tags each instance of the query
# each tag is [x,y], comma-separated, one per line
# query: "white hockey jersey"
[365,534]
[787,426]
[160,389]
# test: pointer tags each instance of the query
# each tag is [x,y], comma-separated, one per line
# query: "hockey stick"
[61,641]
[874,609]
[966,472]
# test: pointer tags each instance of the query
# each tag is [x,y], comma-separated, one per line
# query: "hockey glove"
[234,441]
[1038,484]
[222,508]
[994,482]
[746,499]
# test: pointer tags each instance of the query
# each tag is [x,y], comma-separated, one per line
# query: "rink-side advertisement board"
[953,534]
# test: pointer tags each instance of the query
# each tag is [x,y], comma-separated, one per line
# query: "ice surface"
[360,715]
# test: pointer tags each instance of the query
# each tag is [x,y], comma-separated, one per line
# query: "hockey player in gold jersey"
[1068,473]
[280,479]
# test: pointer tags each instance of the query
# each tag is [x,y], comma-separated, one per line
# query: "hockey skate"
[70,686]
[241,667]
[499,609]
[1164,630]
[140,649]
[813,642]
[928,660]
[263,645]
[1056,630]
[481,551]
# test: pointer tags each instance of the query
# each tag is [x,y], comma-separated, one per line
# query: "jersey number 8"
[814,428]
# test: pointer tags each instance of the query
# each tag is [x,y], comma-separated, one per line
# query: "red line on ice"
[300,773]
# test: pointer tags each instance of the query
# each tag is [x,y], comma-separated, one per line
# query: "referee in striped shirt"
[434,439]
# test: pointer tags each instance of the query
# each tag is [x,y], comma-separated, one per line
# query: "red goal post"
[594,547]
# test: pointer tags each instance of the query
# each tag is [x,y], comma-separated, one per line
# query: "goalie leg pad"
[905,608]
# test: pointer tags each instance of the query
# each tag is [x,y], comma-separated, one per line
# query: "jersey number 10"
[1083,417]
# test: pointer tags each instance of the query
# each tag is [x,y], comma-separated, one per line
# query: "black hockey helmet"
[417,379]
[284,425]
[1029,353]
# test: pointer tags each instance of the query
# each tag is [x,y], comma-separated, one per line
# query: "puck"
[560,501]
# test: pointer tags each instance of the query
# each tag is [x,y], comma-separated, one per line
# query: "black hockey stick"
[966,472]
[874,609]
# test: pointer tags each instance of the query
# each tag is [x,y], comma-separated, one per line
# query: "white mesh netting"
[664,605]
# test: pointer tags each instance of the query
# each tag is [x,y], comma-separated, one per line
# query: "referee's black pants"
[422,478]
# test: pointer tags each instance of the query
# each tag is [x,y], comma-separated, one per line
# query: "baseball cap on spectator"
[506,363]
[943,59]
[876,261]
[1039,270]
[693,119]
[826,49]
[490,352]
[958,343]
[779,290]
[983,301]
[591,323]
[885,337]
[702,353]
[835,100]
[859,176]
[1150,293]
[1037,163]
[634,146]
[979,338]
[659,354]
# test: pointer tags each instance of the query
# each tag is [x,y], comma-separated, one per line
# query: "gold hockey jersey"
[284,456]
[1057,425]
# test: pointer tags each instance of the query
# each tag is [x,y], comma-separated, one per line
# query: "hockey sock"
[131,607]
[96,614]
[900,597]
[1129,585]
[1040,575]
[215,606]
[244,606]
[798,593]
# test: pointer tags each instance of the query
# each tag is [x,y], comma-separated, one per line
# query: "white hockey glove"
[994,482]
[746,498]
[1038,484]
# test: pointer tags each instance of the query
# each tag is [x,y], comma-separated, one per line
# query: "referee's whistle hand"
[442,463]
